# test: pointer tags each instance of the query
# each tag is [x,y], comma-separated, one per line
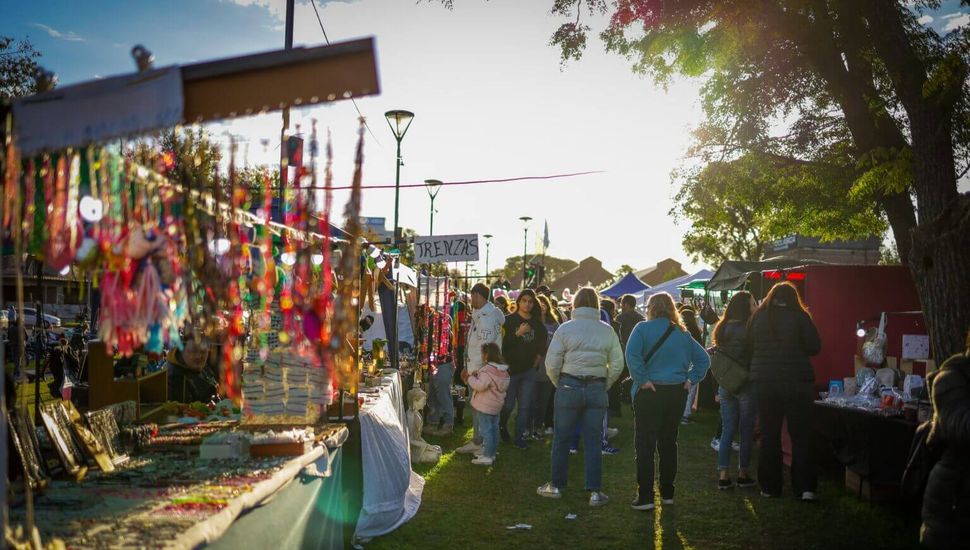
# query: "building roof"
[664,271]
[589,272]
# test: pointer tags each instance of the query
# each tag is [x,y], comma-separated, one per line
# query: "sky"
[490,98]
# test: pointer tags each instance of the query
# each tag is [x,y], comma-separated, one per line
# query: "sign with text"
[445,248]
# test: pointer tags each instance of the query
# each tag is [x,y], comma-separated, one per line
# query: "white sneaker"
[716,444]
[809,496]
[469,448]
[611,432]
[549,491]
[668,501]
[550,431]
[735,446]
[483,460]
[597,498]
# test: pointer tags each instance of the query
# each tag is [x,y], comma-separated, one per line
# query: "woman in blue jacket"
[661,384]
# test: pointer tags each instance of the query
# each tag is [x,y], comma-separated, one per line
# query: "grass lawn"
[467,506]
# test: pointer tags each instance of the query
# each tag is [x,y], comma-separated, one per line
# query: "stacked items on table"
[287,388]
[885,391]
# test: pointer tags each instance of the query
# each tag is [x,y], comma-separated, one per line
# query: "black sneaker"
[746,482]
[506,436]
[521,445]
[723,484]
[642,504]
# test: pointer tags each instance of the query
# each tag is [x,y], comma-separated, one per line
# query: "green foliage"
[736,207]
[554,268]
[624,269]
[18,61]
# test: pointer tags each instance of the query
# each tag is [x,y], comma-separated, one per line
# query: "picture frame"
[104,426]
[57,424]
[89,443]
[25,444]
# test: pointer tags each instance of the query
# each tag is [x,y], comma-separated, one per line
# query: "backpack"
[727,367]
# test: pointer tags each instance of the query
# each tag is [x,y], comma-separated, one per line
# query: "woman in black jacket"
[946,502]
[781,338]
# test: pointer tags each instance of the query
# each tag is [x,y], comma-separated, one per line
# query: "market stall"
[202,292]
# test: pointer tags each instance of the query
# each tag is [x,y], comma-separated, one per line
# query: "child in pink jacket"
[490,383]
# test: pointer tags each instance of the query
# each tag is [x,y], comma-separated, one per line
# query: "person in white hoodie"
[583,361]
[486,328]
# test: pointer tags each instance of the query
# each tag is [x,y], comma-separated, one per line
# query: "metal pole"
[396,361]
[287,45]
[487,246]
[397,191]
[431,227]
[525,251]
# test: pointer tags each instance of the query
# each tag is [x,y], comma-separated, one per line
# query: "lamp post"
[488,244]
[525,246]
[433,187]
[399,121]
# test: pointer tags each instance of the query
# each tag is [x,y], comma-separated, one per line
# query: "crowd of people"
[566,369]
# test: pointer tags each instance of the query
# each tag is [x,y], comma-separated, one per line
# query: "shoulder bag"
[729,371]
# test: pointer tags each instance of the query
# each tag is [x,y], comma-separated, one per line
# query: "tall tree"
[858,75]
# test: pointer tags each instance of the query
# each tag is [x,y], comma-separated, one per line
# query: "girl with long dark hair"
[781,338]
[738,411]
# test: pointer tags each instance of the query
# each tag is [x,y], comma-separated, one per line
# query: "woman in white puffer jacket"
[583,361]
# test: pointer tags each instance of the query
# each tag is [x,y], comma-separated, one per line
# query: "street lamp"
[433,187]
[525,246]
[488,244]
[399,121]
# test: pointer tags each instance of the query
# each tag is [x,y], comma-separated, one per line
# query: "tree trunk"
[902,221]
[940,263]
[940,259]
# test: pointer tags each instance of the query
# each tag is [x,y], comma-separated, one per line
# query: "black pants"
[460,366]
[656,417]
[778,401]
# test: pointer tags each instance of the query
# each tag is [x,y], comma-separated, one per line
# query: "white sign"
[101,110]
[916,346]
[445,248]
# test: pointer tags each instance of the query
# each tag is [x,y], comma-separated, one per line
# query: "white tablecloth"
[392,491]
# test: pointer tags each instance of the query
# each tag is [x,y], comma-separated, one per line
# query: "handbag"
[729,371]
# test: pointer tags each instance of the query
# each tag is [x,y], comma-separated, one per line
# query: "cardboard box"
[906,365]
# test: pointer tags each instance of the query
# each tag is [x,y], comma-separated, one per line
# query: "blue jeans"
[585,402]
[543,394]
[521,389]
[442,408]
[488,427]
[738,413]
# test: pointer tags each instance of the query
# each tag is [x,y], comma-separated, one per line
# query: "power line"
[470,182]
[352,100]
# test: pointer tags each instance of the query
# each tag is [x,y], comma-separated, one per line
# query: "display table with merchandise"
[392,491]
[173,498]
[872,446]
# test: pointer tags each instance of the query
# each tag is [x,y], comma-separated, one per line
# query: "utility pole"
[287,45]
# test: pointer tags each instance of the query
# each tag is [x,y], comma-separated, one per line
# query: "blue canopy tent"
[671,286]
[629,284]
